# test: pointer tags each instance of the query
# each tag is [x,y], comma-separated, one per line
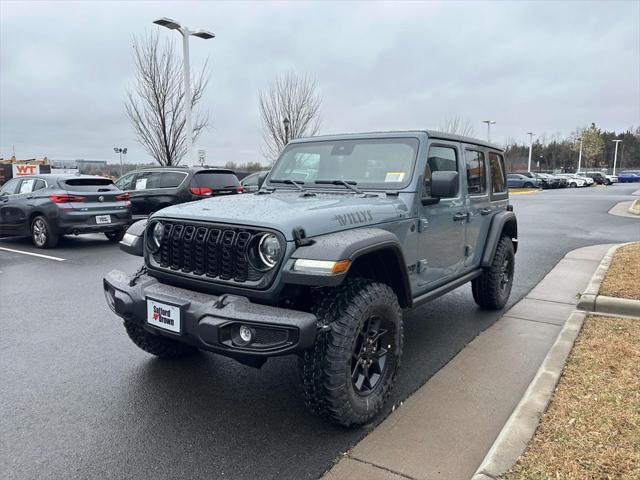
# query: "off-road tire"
[326,368]
[115,236]
[157,345]
[488,289]
[42,234]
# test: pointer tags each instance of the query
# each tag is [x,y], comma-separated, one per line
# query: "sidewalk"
[444,430]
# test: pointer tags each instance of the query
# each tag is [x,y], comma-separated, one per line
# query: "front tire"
[162,347]
[573,185]
[42,234]
[492,288]
[528,185]
[351,370]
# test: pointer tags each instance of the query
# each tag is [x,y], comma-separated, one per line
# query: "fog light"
[246,335]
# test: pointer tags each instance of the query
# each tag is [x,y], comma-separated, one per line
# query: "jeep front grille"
[215,252]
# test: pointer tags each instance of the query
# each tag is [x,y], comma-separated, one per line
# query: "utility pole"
[186,74]
[121,151]
[489,123]
[615,156]
[530,149]
[580,155]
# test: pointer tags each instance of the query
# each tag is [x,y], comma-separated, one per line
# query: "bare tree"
[457,125]
[292,97]
[155,104]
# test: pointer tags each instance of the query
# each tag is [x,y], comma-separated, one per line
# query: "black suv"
[155,188]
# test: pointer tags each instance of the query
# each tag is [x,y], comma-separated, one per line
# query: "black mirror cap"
[444,184]
[133,240]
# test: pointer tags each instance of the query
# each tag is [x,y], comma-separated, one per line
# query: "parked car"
[574,180]
[601,178]
[155,188]
[517,180]
[550,180]
[50,205]
[324,269]
[629,176]
[254,181]
[544,182]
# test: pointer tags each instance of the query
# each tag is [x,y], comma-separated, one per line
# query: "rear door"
[478,205]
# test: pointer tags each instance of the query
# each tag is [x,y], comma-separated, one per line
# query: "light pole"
[530,149]
[489,123]
[580,155]
[615,156]
[286,123]
[121,151]
[186,33]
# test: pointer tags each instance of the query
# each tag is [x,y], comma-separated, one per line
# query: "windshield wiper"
[291,182]
[350,184]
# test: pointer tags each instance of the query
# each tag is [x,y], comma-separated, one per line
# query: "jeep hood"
[284,210]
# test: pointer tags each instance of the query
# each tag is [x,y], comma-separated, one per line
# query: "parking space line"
[49,257]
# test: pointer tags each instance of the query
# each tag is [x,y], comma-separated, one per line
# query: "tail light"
[203,191]
[240,189]
[122,197]
[66,198]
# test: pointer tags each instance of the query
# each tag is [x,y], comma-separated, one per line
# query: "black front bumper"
[212,322]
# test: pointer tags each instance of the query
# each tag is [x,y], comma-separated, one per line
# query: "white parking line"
[49,257]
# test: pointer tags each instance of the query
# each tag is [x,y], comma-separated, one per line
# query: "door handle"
[458,217]
[485,211]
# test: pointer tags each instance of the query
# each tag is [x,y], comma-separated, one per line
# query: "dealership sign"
[20,170]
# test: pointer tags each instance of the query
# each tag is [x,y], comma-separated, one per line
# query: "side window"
[153,180]
[141,181]
[27,185]
[125,183]
[440,159]
[476,172]
[498,184]
[170,179]
[10,187]
[39,185]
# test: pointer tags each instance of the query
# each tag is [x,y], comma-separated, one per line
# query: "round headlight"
[157,233]
[269,250]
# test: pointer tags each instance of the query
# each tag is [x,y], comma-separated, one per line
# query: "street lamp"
[580,155]
[186,33]
[286,123]
[530,148]
[121,151]
[615,156]
[489,123]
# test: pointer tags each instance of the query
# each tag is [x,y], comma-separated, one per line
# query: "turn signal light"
[66,198]
[203,191]
[122,197]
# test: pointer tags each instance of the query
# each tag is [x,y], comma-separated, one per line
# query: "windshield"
[370,163]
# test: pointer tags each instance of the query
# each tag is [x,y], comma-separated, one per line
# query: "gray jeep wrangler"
[345,233]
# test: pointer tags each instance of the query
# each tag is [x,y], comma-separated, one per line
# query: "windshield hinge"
[300,237]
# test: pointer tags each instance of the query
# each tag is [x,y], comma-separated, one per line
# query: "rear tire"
[350,371]
[156,345]
[115,236]
[42,234]
[492,288]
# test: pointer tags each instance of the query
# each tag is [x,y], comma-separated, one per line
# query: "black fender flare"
[501,222]
[351,245]
[133,240]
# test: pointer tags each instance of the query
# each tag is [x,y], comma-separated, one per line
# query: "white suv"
[574,180]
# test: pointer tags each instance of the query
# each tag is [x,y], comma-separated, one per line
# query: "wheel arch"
[502,224]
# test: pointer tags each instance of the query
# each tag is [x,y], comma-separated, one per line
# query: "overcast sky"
[541,67]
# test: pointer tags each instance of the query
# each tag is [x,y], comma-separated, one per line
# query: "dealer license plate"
[163,315]
[100,219]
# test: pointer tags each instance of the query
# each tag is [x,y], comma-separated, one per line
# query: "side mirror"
[133,240]
[444,184]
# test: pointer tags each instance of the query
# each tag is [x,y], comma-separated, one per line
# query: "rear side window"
[498,184]
[476,172]
[216,180]
[171,179]
[87,184]
[39,185]
[440,159]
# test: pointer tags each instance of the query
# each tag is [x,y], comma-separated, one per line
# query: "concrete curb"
[523,422]
[634,209]
[592,301]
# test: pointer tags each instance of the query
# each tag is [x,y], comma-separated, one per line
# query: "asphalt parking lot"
[79,400]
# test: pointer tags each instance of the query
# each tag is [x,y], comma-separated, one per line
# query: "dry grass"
[522,191]
[591,429]
[623,277]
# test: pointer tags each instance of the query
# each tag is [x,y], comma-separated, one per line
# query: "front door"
[442,225]
[10,215]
